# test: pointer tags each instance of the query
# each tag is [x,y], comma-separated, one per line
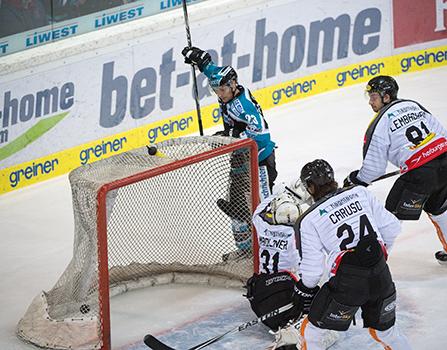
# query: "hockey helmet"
[318,172]
[383,84]
[222,76]
[285,209]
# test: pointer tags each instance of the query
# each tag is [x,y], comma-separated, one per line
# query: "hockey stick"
[393,173]
[193,71]
[294,193]
[156,344]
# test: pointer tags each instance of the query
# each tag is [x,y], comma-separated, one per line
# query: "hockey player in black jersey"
[406,134]
[346,234]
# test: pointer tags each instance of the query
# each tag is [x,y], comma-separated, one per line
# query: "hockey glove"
[352,179]
[194,55]
[222,133]
[303,296]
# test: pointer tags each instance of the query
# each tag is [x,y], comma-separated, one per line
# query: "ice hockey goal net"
[142,220]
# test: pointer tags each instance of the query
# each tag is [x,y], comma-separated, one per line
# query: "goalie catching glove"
[352,179]
[194,55]
[303,296]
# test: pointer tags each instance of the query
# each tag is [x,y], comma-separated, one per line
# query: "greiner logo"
[421,60]
[102,149]
[293,89]
[169,128]
[34,170]
[360,72]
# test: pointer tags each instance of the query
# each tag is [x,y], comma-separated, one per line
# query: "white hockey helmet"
[285,209]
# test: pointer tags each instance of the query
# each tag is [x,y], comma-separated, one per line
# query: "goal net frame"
[37,318]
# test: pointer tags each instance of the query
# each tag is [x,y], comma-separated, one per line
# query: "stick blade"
[155,344]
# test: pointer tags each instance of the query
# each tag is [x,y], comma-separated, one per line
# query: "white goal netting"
[144,219]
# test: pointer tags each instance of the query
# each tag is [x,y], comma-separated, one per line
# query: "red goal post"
[143,220]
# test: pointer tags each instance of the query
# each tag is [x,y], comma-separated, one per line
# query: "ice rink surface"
[36,225]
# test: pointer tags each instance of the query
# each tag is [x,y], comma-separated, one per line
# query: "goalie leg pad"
[267,292]
[327,313]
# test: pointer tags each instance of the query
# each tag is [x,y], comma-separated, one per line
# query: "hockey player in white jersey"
[279,262]
[406,134]
[347,234]
[273,220]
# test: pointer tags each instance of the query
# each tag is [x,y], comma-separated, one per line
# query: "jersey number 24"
[365,228]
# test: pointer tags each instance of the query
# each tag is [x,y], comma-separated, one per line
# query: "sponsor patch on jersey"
[342,201]
[429,152]
[323,212]
[237,107]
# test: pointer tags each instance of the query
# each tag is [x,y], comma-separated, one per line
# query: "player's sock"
[440,223]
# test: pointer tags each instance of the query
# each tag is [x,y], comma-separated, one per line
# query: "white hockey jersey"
[277,243]
[405,134]
[336,223]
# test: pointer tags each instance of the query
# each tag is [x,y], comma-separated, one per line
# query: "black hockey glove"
[303,296]
[352,179]
[194,55]
[222,133]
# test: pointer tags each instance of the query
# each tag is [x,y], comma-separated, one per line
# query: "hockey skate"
[287,338]
[236,255]
[232,210]
[290,338]
[441,256]
[242,237]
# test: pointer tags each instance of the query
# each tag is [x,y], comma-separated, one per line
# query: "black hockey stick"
[193,71]
[294,193]
[393,173]
[156,344]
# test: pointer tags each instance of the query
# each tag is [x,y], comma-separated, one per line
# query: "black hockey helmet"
[383,84]
[222,76]
[318,172]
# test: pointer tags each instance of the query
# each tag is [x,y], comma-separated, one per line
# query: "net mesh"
[191,217]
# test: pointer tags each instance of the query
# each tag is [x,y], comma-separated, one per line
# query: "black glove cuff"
[354,179]
[204,62]
[304,291]
[222,133]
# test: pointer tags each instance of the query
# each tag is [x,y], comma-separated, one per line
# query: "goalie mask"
[285,209]
[299,190]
